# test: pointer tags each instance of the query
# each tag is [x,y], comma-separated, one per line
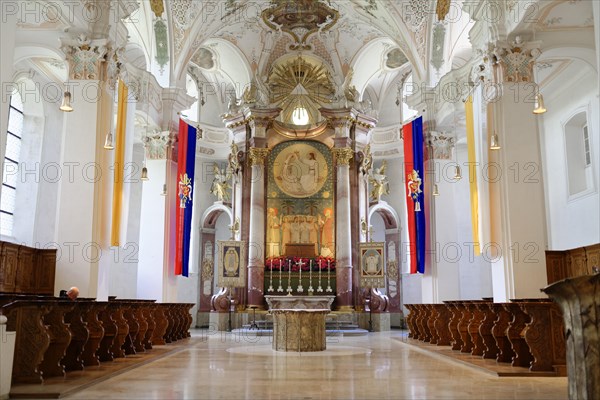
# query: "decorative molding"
[343,155]
[517,60]
[257,155]
[156,145]
[437,48]
[300,19]
[441,145]
[85,57]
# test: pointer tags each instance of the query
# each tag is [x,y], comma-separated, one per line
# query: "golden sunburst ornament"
[301,85]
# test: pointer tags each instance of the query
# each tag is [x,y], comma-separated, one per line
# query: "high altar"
[303,206]
[303,190]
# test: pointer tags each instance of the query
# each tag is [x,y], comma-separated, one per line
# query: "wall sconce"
[494,142]
[457,173]
[538,105]
[66,103]
[108,142]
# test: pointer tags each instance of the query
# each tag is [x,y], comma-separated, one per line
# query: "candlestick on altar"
[289,288]
[270,289]
[329,289]
[310,288]
[280,288]
[319,289]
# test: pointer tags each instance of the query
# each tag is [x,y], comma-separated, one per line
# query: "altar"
[299,322]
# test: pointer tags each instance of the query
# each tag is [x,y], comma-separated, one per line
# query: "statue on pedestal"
[380,183]
[220,185]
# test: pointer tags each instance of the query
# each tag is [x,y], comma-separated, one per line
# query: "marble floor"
[378,366]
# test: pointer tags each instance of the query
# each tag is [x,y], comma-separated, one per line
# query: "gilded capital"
[257,155]
[516,60]
[343,155]
[85,56]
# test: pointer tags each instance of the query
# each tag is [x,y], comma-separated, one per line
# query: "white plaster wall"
[378,228]
[48,187]
[187,292]
[152,233]
[28,174]
[475,273]
[571,222]
[125,262]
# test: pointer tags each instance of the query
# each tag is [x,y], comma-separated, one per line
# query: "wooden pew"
[26,317]
[441,324]
[522,357]
[503,318]
[485,330]
[456,312]
[544,334]
[60,337]
[477,316]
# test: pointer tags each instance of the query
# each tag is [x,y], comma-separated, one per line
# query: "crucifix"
[300,264]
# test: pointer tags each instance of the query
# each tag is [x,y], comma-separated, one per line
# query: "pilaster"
[518,218]
[443,219]
[85,191]
[153,271]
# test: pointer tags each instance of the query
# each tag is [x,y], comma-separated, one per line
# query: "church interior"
[298,198]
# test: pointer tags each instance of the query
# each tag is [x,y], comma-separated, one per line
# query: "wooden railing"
[571,263]
[26,269]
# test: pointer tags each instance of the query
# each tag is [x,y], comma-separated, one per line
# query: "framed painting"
[232,263]
[372,264]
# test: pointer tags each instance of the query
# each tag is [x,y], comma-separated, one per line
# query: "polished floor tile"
[377,366]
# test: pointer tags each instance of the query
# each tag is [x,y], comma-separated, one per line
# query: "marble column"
[518,217]
[342,120]
[256,251]
[259,120]
[343,238]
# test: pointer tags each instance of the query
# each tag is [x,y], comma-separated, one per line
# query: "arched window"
[11,165]
[579,157]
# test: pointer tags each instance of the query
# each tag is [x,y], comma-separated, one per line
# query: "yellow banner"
[472,174]
[117,201]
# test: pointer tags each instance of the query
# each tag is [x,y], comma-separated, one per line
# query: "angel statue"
[380,183]
[220,184]
[233,164]
[367,161]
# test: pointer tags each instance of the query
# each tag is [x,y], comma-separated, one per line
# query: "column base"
[220,321]
[203,319]
[397,320]
[345,309]
[380,321]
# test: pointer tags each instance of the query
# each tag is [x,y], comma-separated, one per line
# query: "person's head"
[311,156]
[73,293]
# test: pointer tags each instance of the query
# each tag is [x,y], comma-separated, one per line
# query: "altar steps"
[333,328]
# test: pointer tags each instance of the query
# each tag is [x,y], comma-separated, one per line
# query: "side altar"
[299,322]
